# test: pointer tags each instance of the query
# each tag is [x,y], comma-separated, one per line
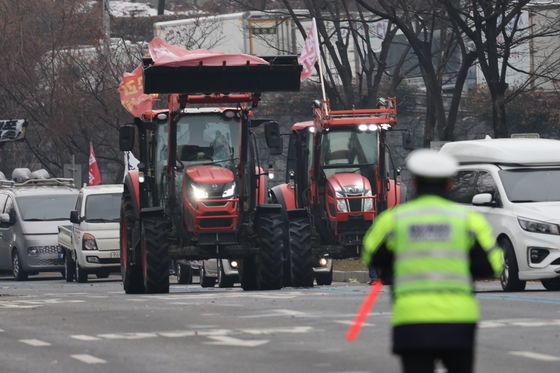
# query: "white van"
[91,243]
[515,184]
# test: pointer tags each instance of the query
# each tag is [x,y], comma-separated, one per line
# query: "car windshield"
[46,207]
[347,151]
[101,208]
[531,185]
[204,139]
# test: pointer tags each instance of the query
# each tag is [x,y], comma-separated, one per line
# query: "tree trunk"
[499,113]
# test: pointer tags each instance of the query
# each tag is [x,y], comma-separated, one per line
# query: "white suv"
[514,183]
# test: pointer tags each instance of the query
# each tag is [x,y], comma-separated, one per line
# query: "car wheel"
[552,284]
[69,268]
[183,273]
[510,275]
[205,280]
[324,278]
[17,269]
[81,274]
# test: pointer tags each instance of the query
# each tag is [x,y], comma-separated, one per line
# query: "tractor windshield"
[205,139]
[348,150]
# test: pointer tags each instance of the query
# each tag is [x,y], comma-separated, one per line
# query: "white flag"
[310,52]
[130,162]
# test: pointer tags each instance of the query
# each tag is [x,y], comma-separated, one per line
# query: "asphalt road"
[47,325]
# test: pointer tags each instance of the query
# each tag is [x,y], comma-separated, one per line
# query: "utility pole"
[160,7]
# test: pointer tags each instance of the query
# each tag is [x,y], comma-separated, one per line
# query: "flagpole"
[320,68]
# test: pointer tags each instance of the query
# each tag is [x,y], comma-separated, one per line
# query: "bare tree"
[495,30]
[420,22]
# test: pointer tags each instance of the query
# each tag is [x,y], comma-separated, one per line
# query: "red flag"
[310,52]
[94,175]
[131,90]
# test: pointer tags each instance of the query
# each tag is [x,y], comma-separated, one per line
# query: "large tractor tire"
[510,276]
[155,255]
[300,253]
[131,272]
[270,259]
[248,274]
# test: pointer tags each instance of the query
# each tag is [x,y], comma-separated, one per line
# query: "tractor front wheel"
[131,272]
[269,263]
[155,256]
[301,256]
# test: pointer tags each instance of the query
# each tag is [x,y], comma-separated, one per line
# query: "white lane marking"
[224,340]
[2,330]
[83,337]
[127,335]
[36,303]
[292,330]
[98,296]
[349,322]
[35,342]
[275,313]
[88,359]
[182,334]
[534,355]
[523,323]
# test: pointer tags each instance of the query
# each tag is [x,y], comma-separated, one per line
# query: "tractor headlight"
[368,201]
[199,193]
[341,204]
[229,191]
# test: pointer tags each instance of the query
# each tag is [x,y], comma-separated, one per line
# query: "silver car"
[30,213]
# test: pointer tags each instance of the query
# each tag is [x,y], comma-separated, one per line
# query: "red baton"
[365,309]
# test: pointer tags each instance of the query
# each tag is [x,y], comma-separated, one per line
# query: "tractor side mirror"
[273,137]
[126,137]
[74,217]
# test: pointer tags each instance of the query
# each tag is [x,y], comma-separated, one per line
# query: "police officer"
[430,250]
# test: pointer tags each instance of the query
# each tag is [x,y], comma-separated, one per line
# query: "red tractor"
[199,192]
[338,180]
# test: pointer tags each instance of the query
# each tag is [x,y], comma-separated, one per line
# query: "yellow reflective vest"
[430,239]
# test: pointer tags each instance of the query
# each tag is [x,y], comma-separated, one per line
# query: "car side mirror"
[75,217]
[5,219]
[273,137]
[126,137]
[483,199]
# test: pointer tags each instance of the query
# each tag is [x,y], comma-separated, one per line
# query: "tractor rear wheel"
[155,256]
[133,282]
[269,263]
[301,256]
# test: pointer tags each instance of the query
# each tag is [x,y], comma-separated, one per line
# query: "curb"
[351,276]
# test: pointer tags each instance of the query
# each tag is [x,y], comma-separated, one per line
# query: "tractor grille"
[216,223]
[355,204]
